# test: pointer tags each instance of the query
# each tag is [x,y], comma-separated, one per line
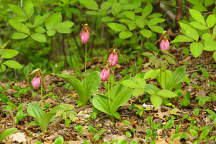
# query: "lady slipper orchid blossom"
[113,58]
[164,44]
[104,75]
[36,82]
[85,34]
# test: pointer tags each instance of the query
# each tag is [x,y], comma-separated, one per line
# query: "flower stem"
[85,56]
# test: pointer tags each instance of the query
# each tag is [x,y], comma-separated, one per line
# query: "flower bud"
[84,34]
[36,82]
[113,58]
[104,75]
[164,44]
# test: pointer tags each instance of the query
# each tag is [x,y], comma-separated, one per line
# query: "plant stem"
[85,56]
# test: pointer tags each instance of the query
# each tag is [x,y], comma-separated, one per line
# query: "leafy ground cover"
[108,72]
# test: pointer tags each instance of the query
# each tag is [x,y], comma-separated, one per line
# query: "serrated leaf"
[211,20]
[146,33]
[182,38]
[189,31]
[39,37]
[117,27]
[18,35]
[89,4]
[196,49]
[156,100]
[12,64]
[157,29]
[125,34]
[197,16]
[20,27]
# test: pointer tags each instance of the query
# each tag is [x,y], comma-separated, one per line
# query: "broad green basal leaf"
[156,100]
[166,94]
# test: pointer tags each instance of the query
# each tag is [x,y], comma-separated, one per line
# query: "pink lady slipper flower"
[164,44]
[36,82]
[85,34]
[104,75]
[113,58]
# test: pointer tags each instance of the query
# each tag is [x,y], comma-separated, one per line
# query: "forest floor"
[190,119]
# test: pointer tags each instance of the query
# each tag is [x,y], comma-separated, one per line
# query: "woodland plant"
[85,88]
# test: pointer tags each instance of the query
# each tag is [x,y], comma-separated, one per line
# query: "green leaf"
[51,32]
[81,90]
[28,8]
[189,31]
[20,27]
[147,10]
[210,45]
[119,95]
[163,78]
[7,133]
[146,33]
[100,102]
[151,74]
[182,38]
[17,10]
[38,20]
[116,8]
[193,132]
[12,64]
[176,77]
[214,31]
[155,21]
[64,27]
[59,140]
[186,99]
[2,68]
[129,14]
[198,25]
[117,27]
[157,29]
[9,53]
[208,37]
[39,37]
[42,118]
[40,30]
[211,20]
[140,22]
[156,100]
[18,35]
[89,4]
[125,34]
[214,56]
[197,16]
[151,89]
[196,49]
[166,94]
[52,20]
